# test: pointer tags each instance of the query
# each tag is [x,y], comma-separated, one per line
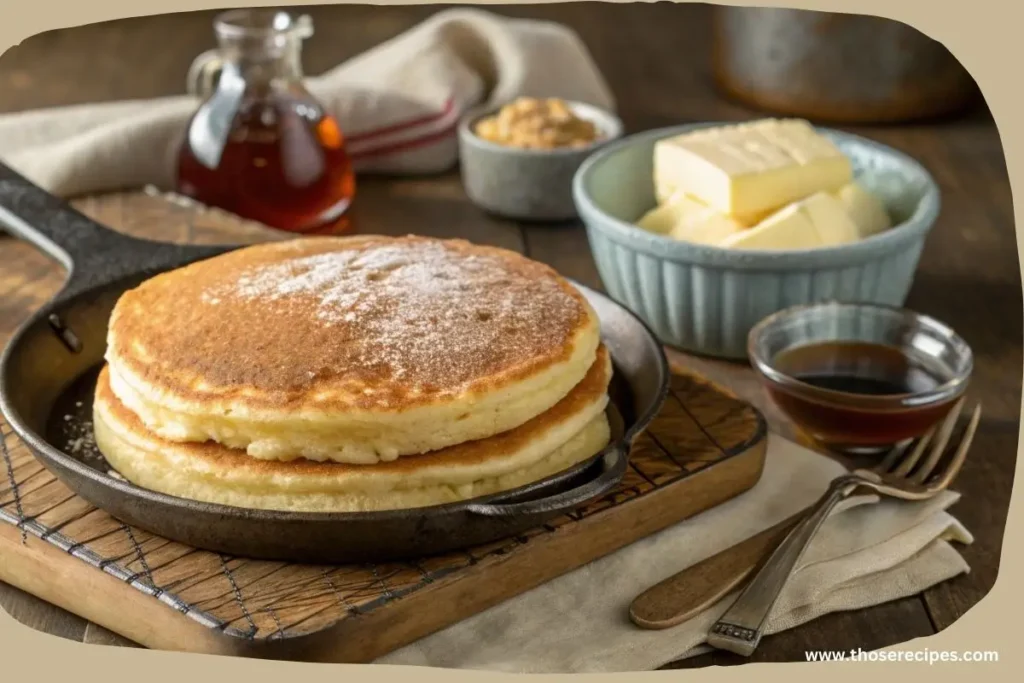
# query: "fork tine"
[907,463]
[956,462]
[943,435]
[891,457]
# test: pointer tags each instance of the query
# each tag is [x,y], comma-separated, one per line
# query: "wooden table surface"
[655,58]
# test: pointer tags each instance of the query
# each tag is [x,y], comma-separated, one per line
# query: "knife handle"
[694,589]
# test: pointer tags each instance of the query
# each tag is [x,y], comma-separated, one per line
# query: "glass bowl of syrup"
[858,378]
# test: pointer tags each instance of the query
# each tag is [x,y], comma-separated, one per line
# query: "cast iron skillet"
[48,370]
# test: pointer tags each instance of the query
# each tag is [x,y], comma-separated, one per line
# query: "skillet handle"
[613,467]
[92,253]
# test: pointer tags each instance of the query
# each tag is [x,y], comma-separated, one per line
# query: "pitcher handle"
[202,73]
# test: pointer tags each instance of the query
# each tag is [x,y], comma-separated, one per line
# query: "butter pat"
[789,228]
[817,221]
[661,218]
[709,227]
[684,218]
[751,169]
[866,210]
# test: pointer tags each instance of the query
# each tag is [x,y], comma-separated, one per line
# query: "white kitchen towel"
[398,105]
[868,552]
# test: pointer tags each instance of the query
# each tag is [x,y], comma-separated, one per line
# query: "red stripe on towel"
[403,125]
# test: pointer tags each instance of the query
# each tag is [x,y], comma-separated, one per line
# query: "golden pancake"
[355,349]
[573,430]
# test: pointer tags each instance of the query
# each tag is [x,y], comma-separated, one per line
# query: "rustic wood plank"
[39,614]
[436,208]
[42,569]
[97,635]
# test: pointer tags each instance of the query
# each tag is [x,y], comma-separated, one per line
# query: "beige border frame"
[981,33]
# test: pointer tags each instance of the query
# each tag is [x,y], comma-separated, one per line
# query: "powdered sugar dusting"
[418,308]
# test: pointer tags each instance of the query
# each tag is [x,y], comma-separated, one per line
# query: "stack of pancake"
[351,374]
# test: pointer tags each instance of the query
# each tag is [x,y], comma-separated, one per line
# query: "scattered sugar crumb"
[80,438]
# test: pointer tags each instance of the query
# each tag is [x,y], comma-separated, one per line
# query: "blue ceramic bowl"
[705,299]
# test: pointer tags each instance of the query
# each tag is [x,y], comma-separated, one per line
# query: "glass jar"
[260,145]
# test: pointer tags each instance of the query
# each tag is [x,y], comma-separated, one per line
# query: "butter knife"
[694,589]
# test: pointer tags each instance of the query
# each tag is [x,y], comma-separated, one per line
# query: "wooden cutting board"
[704,448]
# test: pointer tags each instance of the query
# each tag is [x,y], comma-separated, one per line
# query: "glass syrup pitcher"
[260,145]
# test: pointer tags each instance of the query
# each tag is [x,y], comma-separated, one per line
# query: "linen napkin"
[867,552]
[398,105]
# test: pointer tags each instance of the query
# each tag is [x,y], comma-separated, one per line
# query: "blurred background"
[669,55]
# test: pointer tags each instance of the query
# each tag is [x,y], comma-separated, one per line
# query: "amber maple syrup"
[260,145]
[857,395]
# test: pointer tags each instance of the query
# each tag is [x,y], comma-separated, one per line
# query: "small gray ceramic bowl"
[706,299]
[527,184]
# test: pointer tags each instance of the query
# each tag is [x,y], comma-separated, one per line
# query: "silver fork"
[740,629]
